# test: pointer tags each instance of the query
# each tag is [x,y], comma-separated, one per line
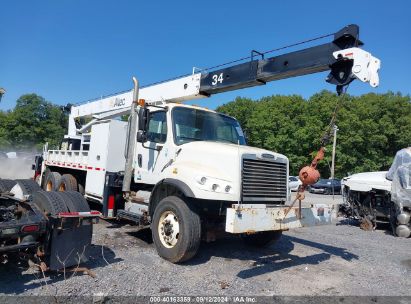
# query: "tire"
[81,189]
[47,171]
[183,245]
[393,218]
[75,201]
[262,239]
[51,181]
[28,186]
[67,183]
[6,185]
[49,202]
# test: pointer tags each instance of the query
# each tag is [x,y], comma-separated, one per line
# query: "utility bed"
[70,159]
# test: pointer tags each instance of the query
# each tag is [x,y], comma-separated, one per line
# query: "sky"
[69,51]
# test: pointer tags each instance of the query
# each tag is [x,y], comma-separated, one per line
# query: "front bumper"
[248,218]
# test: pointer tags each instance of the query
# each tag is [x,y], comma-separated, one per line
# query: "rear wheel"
[51,181]
[75,201]
[24,188]
[67,183]
[28,186]
[49,202]
[262,239]
[81,189]
[46,172]
[176,229]
[6,185]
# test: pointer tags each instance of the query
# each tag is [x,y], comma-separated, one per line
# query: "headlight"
[201,180]
[214,184]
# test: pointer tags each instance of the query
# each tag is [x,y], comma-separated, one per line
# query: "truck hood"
[218,148]
[218,163]
[367,181]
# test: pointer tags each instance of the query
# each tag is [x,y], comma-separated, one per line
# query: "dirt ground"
[339,259]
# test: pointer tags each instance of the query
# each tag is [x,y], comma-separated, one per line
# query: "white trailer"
[194,163]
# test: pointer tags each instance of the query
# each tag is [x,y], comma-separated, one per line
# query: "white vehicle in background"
[11,155]
[293,183]
[383,196]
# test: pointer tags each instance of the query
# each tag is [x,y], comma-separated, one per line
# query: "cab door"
[151,156]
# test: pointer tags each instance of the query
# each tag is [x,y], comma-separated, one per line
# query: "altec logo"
[118,102]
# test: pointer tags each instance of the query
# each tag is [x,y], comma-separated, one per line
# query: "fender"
[183,187]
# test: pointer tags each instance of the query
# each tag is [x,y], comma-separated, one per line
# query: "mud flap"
[69,246]
[246,218]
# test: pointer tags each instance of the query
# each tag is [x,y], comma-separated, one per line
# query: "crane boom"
[342,57]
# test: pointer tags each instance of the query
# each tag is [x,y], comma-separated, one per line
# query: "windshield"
[198,125]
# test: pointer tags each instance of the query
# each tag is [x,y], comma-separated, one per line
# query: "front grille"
[264,180]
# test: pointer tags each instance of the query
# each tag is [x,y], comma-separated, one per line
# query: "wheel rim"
[49,186]
[168,229]
[62,187]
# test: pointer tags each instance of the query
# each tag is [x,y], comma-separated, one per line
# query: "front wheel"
[176,229]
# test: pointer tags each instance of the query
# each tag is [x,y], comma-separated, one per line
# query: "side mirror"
[143,114]
[143,119]
[141,136]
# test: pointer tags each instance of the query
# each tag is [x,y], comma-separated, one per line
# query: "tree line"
[33,122]
[372,127]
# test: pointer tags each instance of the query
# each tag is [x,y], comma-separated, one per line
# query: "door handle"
[140,160]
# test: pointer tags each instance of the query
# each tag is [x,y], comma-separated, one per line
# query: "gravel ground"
[325,260]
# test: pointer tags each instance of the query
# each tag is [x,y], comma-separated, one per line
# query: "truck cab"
[207,152]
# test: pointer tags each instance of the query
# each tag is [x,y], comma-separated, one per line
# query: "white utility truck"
[201,176]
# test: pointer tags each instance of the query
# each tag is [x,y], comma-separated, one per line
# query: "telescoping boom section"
[342,57]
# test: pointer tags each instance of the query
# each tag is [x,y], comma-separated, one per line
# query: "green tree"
[372,127]
[4,142]
[31,123]
[240,108]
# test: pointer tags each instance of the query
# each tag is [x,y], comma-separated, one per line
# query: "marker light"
[203,180]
